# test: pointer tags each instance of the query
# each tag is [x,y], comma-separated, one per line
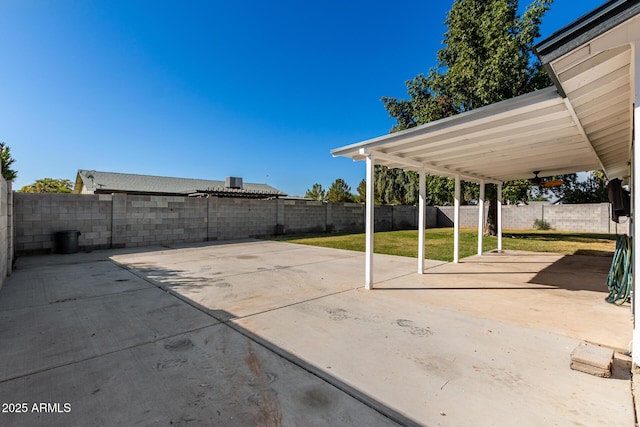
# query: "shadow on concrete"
[576,273]
[168,280]
[25,261]
[565,237]
[570,272]
[621,369]
[468,288]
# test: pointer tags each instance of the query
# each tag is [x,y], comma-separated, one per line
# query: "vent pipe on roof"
[233,182]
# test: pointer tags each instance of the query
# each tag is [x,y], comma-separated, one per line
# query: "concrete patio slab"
[563,294]
[484,342]
[522,313]
[71,331]
[49,284]
[212,376]
[261,282]
[429,362]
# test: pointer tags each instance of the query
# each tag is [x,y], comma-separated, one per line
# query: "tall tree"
[487,57]
[316,192]
[6,161]
[48,185]
[361,197]
[592,190]
[339,192]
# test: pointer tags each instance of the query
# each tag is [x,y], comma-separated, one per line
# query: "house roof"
[591,63]
[583,123]
[586,28]
[112,182]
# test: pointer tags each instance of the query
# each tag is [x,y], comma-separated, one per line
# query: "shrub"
[541,224]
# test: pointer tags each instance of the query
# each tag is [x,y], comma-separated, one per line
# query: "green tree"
[395,186]
[339,192]
[48,185]
[361,197]
[591,190]
[6,161]
[316,192]
[487,57]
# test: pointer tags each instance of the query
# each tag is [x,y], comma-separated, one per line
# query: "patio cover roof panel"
[503,141]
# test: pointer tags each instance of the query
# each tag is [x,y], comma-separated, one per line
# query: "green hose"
[620,278]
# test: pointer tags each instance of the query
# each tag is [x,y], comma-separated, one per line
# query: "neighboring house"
[95,182]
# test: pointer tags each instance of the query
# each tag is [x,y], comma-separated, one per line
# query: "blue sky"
[209,89]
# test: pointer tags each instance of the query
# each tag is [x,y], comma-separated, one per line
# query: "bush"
[541,224]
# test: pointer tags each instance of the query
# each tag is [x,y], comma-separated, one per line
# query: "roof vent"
[233,182]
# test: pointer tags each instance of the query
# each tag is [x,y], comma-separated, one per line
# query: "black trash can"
[67,241]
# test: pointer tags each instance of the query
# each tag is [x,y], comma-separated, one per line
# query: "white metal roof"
[504,141]
[588,128]
[597,80]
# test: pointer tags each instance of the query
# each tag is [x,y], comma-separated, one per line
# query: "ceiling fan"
[541,182]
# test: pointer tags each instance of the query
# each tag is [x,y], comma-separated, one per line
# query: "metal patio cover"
[588,128]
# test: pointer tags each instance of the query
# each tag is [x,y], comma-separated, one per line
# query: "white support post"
[421,219]
[635,197]
[499,214]
[480,217]
[369,225]
[456,221]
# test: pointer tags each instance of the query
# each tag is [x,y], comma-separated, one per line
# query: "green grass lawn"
[439,242]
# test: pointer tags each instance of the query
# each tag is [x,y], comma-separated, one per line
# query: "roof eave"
[586,28]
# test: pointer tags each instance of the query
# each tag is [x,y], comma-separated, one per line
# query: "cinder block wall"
[120,220]
[405,217]
[345,217]
[593,217]
[156,220]
[37,217]
[5,230]
[468,216]
[304,217]
[520,217]
[383,218]
[239,218]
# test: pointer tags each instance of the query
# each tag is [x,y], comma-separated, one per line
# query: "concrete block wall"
[405,217]
[10,228]
[431,214]
[121,220]
[383,218]
[522,217]
[157,220]
[592,217]
[583,218]
[345,217]
[37,217]
[468,216]
[239,218]
[5,230]
[302,216]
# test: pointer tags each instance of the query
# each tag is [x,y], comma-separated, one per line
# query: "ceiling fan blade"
[552,183]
